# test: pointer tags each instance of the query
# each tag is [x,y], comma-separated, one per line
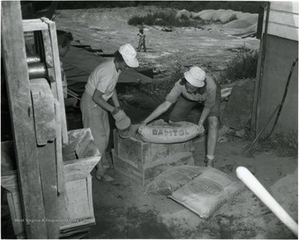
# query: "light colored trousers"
[96,118]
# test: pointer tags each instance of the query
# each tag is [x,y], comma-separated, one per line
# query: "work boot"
[208,162]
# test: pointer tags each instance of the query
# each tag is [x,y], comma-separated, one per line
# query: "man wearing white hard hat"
[99,89]
[196,87]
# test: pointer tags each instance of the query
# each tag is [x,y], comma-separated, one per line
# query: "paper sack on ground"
[205,194]
[173,178]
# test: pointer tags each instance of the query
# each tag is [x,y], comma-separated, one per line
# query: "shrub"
[163,87]
[242,66]
[167,18]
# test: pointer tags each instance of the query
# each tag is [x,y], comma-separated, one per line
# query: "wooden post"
[58,79]
[259,73]
[16,70]
[36,165]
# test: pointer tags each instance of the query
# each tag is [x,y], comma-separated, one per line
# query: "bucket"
[126,133]
[124,128]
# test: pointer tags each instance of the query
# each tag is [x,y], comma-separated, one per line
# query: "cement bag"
[162,132]
[172,179]
[208,192]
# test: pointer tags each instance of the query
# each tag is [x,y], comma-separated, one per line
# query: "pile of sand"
[230,18]
[224,16]
[183,13]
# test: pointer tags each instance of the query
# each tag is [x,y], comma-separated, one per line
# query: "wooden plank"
[284,18]
[85,146]
[43,107]
[10,182]
[14,205]
[47,159]
[58,147]
[78,196]
[90,195]
[49,56]
[73,227]
[80,168]
[58,77]
[283,31]
[15,66]
[122,167]
[257,85]
[288,6]
[34,25]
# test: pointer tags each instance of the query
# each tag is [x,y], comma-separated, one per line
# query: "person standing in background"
[142,41]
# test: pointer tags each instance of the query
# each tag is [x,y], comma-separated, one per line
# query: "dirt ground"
[122,209]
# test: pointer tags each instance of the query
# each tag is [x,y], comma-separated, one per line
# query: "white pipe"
[255,186]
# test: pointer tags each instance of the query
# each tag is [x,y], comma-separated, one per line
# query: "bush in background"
[166,18]
[162,87]
[242,66]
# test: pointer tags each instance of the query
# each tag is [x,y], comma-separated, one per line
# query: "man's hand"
[118,114]
[141,127]
[202,129]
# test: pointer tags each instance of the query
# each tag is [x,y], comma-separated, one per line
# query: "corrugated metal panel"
[283,20]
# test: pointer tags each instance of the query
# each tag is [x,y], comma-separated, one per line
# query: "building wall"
[283,19]
[279,56]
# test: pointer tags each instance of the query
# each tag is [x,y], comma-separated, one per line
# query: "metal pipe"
[33,59]
[37,70]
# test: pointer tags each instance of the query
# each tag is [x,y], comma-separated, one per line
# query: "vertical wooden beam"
[58,78]
[44,117]
[16,70]
[260,72]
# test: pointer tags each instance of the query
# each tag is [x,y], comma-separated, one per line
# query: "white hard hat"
[195,76]
[129,55]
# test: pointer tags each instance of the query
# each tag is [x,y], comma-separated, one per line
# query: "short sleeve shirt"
[205,95]
[104,78]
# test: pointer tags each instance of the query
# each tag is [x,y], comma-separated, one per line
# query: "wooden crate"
[143,161]
[76,206]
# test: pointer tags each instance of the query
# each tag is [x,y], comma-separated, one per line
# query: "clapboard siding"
[283,20]
[283,31]
[290,7]
[289,19]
